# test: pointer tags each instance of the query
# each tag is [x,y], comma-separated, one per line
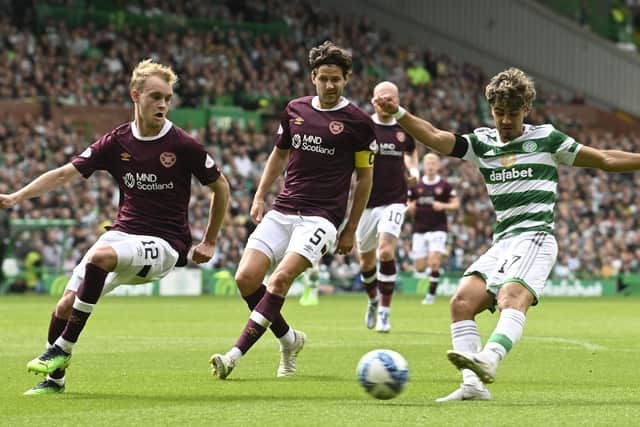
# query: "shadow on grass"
[205,398]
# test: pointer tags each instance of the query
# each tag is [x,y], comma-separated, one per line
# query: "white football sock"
[66,346]
[507,333]
[234,354]
[288,339]
[465,337]
[59,381]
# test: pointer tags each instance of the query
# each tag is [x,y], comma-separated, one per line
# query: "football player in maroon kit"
[429,202]
[381,222]
[152,161]
[321,140]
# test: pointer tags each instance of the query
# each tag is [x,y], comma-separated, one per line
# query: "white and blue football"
[383,373]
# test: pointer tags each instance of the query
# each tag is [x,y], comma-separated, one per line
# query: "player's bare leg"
[514,301]
[470,299]
[386,280]
[434,277]
[262,317]
[55,381]
[368,273]
[251,271]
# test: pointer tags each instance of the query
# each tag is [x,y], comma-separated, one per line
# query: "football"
[383,373]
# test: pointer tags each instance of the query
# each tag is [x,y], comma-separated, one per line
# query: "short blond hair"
[512,88]
[148,68]
[431,155]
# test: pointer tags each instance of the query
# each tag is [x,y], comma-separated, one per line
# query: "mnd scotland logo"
[313,143]
[145,181]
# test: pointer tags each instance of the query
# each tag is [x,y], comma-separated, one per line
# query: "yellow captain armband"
[364,159]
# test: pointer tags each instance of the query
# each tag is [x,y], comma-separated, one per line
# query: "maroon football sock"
[387,268]
[279,326]
[56,326]
[266,310]
[433,281]
[88,293]
[369,282]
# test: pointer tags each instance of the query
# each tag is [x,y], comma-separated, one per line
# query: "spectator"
[5,234]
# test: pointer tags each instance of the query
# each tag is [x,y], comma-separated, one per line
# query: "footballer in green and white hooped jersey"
[519,164]
[521,177]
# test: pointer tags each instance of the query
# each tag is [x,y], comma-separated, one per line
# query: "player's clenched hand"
[257,210]
[202,252]
[386,102]
[412,181]
[6,201]
[345,242]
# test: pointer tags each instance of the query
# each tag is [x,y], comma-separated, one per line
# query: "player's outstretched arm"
[364,182]
[217,210]
[44,183]
[607,160]
[422,131]
[275,165]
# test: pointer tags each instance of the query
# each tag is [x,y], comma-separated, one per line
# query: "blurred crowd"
[597,229]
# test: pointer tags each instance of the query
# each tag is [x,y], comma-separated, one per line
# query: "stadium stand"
[70,58]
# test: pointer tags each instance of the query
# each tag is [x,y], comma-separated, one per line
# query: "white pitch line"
[584,344]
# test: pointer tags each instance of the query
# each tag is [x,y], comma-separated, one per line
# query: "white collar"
[315,103]
[377,120]
[165,129]
[427,182]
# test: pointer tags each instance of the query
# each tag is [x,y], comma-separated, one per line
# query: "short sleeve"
[411,144]
[411,194]
[567,150]
[95,157]
[451,192]
[365,144]
[203,166]
[283,134]
[366,139]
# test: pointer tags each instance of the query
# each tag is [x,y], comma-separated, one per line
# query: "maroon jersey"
[425,193]
[389,180]
[323,144]
[154,177]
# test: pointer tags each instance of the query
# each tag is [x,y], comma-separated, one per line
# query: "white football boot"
[370,315]
[288,355]
[384,321]
[221,365]
[484,368]
[467,392]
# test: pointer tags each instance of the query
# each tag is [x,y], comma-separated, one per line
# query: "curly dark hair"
[511,87]
[330,54]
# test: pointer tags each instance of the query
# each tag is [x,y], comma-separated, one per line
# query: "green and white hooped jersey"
[522,175]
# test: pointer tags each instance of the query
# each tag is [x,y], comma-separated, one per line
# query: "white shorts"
[381,219]
[277,234]
[525,258]
[422,244]
[141,259]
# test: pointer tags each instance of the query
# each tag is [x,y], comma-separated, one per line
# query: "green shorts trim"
[476,273]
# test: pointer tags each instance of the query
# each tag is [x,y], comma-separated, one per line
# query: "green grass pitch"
[144,361]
